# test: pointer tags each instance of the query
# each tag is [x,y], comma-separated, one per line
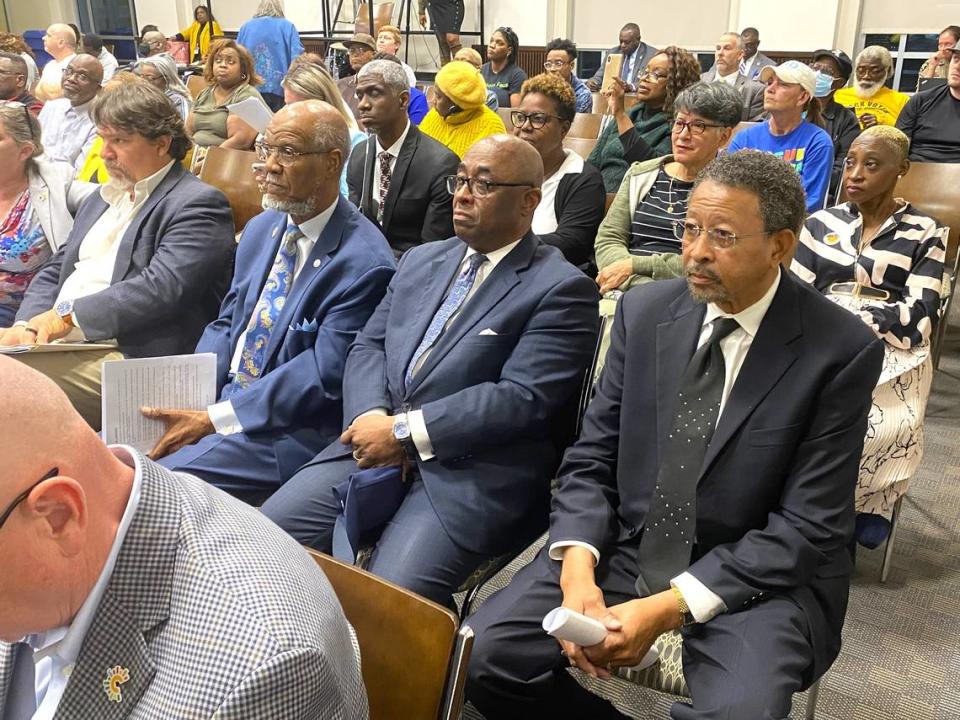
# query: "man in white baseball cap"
[792,131]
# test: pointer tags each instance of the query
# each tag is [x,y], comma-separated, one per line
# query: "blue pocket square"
[305,326]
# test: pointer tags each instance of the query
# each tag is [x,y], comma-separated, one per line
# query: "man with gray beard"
[310,270]
[869,98]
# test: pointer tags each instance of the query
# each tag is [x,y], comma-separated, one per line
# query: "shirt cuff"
[419,435]
[224,419]
[558,548]
[704,604]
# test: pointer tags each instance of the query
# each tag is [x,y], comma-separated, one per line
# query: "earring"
[243,76]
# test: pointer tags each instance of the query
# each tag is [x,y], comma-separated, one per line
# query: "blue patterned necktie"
[267,310]
[458,293]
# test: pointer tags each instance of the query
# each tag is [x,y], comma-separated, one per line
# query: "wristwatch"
[685,613]
[64,309]
[401,431]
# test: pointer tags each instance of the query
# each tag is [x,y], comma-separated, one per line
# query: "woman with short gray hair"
[37,200]
[636,242]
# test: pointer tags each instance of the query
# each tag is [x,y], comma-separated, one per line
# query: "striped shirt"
[651,230]
[905,258]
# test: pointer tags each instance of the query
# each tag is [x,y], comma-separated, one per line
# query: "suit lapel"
[676,343]
[130,237]
[404,159]
[769,357]
[501,280]
[315,263]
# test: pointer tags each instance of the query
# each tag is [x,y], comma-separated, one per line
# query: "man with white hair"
[60,43]
[138,590]
[869,98]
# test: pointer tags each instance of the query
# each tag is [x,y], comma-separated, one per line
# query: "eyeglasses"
[23,496]
[537,120]
[477,187]
[555,64]
[286,156]
[653,75]
[696,127]
[358,50]
[686,232]
[78,74]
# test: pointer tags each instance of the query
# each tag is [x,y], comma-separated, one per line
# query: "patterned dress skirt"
[893,447]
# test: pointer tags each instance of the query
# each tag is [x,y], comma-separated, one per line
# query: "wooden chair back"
[196,85]
[382,15]
[581,146]
[231,172]
[406,644]
[934,188]
[504,114]
[585,125]
[600,102]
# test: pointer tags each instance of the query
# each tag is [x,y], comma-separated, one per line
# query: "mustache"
[697,268]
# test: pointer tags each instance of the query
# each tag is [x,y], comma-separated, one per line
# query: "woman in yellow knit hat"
[460,116]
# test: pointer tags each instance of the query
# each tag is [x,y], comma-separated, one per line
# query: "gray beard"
[291,207]
[866,92]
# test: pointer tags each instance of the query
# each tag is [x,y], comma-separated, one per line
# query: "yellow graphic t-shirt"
[885,105]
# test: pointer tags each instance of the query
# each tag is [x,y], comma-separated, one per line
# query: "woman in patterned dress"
[882,259]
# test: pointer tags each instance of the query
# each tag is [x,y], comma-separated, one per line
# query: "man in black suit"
[726,433]
[398,176]
[636,55]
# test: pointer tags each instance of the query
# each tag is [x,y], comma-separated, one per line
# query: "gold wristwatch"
[685,613]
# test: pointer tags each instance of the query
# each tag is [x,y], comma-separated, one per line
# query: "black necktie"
[670,526]
[22,695]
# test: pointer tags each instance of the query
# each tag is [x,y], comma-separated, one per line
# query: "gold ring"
[33,330]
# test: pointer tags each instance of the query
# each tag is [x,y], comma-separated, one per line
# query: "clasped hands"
[632,627]
[373,441]
[43,328]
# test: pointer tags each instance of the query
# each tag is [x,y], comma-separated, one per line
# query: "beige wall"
[917,16]
[39,14]
[696,26]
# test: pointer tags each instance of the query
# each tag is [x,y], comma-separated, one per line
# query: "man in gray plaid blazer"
[131,591]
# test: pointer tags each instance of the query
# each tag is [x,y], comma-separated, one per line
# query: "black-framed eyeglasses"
[478,187]
[686,232]
[537,120]
[696,127]
[286,156]
[80,75]
[23,496]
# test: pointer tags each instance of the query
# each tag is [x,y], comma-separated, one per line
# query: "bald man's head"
[72,492]
[60,41]
[81,79]
[506,174]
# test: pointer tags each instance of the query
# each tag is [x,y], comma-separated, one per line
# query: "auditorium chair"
[413,655]
[504,114]
[600,102]
[196,85]
[382,15]
[585,125]
[581,146]
[231,172]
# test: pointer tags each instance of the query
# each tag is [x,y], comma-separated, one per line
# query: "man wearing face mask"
[152,43]
[833,71]
[872,101]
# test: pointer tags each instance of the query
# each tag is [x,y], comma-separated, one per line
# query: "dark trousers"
[740,666]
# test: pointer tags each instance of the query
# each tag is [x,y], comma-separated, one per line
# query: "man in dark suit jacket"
[281,405]
[636,55]
[726,68]
[462,371]
[416,207]
[736,529]
[147,262]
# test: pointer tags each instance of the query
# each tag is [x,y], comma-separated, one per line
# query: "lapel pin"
[316,263]
[831,239]
[116,676]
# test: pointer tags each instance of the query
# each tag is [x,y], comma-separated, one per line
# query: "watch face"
[401,429]
[64,307]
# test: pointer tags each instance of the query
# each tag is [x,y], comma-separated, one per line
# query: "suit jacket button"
[316,263]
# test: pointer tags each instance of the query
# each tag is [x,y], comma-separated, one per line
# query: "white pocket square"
[489,331]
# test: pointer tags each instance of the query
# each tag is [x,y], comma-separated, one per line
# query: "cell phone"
[611,70]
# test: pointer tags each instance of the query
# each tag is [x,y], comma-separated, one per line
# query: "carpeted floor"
[901,652]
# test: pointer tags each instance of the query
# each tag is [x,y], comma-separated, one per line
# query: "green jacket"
[613,237]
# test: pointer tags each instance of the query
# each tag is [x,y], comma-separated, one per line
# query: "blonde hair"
[394,32]
[309,78]
[468,54]
[892,137]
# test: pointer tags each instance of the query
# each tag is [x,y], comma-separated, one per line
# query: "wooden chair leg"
[812,695]
[888,549]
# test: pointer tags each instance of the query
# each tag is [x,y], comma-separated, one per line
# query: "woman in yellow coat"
[460,116]
[201,33]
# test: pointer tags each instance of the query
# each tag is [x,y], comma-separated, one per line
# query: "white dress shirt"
[730,79]
[415,421]
[93,271]
[109,63]
[545,216]
[222,415]
[704,604]
[67,132]
[394,151]
[55,651]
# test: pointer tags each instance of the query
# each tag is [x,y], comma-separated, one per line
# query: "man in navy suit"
[310,271]
[712,486]
[463,371]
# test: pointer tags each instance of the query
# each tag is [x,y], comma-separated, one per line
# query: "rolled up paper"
[565,624]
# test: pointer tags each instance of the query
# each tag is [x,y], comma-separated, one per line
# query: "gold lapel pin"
[116,676]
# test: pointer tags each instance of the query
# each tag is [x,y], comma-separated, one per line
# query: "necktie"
[384,181]
[266,312]
[453,301]
[743,67]
[669,530]
[21,696]
[625,68]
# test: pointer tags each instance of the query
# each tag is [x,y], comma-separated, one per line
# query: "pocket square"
[489,331]
[305,326]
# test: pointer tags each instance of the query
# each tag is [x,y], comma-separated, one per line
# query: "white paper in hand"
[253,112]
[565,624]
